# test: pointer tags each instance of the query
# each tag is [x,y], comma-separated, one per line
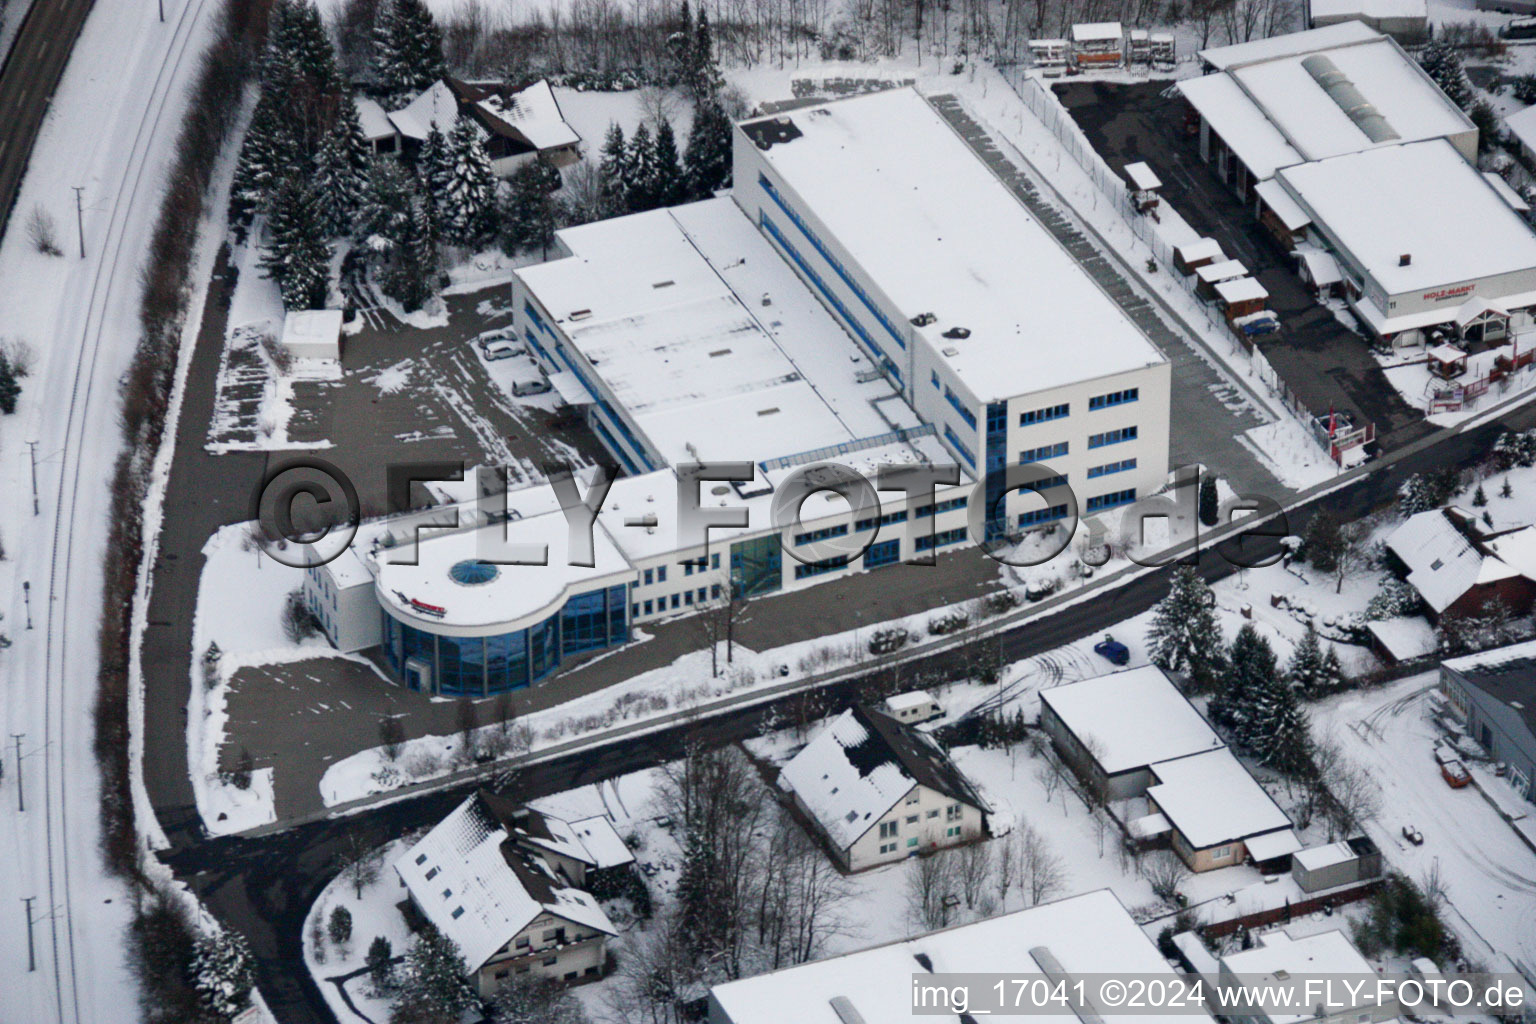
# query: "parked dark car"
[1115,651]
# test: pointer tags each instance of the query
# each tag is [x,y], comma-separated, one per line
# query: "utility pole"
[80,216]
[32,448]
[26,596]
[21,796]
[31,955]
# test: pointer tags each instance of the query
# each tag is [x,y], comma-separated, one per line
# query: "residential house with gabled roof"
[878,791]
[1458,567]
[497,880]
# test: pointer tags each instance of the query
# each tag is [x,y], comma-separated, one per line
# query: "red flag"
[1331,421]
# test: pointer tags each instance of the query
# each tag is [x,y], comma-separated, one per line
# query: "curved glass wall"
[475,666]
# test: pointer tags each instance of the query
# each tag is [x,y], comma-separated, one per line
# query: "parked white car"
[530,386]
[502,350]
[486,338]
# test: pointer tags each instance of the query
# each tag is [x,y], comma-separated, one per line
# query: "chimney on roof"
[1405,259]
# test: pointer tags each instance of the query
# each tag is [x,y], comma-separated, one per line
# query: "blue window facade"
[943,506]
[806,570]
[959,406]
[885,552]
[1042,515]
[1051,412]
[1102,501]
[475,666]
[885,520]
[997,458]
[1112,437]
[1122,466]
[960,446]
[943,538]
[840,530]
[853,322]
[1045,451]
[1113,398]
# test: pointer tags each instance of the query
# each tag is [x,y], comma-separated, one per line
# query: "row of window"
[1042,515]
[694,565]
[1052,412]
[1122,466]
[960,446]
[943,506]
[840,530]
[1112,437]
[836,303]
[1045,451]
[960,407]
[805,570]
[1110,500]
[1113,398]
[885,520]
[943,538]
[686,598]
[833,262]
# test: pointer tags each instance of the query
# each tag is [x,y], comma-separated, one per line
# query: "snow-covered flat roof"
[1315,857]
[903,701]
[1142,176]
[1200,249]
[1221,57]
[708,339]
[1522,125]
[1369,8]
[1241,289]
[1131,719]
[1421,200]
[937,233]
[1405,638]
[1222,271]
[1212,800]
[1278,956]
[1507,192]
[1097,32]
[427,591]
[1091,933]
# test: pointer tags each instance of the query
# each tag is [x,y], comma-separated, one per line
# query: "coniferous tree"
[408,49]
[469,195]
[532,214]
[680,46]
[1210,510]
[1241,701]
[267,155]
[10,390]
[1282,739]
[434,971]
[1306,673]
[707,161]
[434,165]
[410,271]
[341,170]
[613,172]
[670,188]
[705,72]
[1443,64]
[298,258]
[385,216]
[223,973]
[1333,672]
[380,962]
[640,185]
[1185,636]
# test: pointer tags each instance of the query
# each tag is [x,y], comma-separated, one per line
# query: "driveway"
[1324,362]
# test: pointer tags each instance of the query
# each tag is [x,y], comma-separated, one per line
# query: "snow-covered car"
[1413,835]
[502,350]
[486,338]
[532,386]
[1455,774]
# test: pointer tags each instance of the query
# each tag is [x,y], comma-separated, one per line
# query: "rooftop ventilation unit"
[845,1010]
[1349,99]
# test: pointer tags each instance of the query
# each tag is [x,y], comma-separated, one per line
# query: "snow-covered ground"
[110,128]
[373,916]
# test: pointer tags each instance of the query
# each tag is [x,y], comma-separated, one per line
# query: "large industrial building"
[846,304]
[1351,155]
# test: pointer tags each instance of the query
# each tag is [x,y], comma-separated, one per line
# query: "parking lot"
[1323,361]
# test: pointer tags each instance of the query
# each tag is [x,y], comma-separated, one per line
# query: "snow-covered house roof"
[1224,270]
[1212,799]
[374,119]
[1443,564]
[1522,125]
[1423,201]
[1131,719]
[942,235]
[605,847]
[435,105]
[1142,176]
[592,841]
[479,888]
[534,114]
[861,766]
[1404,638]
[1086,934]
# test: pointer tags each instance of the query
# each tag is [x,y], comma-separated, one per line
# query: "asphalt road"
[264,886]
[27,79]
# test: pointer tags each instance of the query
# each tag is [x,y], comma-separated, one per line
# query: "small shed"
[1241,296]
[1327,867]
[1213,274]
[1402,639]
[1098,44]
[1478,319]
[1144,186]
[1447,361]
[1050,54]
[1191,256]
[1164,50]
[1139,48]
[313,333]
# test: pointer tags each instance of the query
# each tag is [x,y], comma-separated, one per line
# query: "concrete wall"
[348,615]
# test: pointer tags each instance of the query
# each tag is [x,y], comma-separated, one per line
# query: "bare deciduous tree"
[42,233]
[1164,870]
[801,895]
[359,863]
[1040,873]
[1344,791]
[975,870]
[931,890]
